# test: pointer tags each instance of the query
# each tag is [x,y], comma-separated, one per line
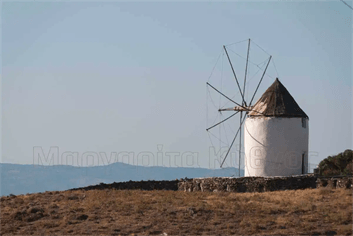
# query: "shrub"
[341,164]
[349,169]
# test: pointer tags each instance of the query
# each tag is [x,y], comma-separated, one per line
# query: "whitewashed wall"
[274,146]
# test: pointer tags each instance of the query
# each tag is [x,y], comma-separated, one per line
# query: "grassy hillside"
[311,211]
[341,164]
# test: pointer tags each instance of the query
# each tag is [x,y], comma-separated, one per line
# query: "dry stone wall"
[262,184]
[335,182]
[247,184]
[225,184]
[138,185]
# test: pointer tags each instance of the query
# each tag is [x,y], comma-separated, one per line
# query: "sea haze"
[21,179]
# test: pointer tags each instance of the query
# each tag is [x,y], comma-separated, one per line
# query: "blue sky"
[117,76]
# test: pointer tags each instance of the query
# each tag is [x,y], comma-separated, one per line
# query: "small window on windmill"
[304,122]
[303,163]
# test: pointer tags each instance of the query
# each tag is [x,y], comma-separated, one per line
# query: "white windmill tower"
[276,130]
[276,135]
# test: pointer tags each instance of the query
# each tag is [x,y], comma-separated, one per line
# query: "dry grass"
[317,211]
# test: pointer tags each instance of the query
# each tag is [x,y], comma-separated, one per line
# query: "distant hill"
[21,179]
[340,164]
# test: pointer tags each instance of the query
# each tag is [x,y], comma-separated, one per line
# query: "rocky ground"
[107,211]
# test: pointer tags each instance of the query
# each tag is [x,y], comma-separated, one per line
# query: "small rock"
[82,217]
[330,232]
[36,209]
[73,197]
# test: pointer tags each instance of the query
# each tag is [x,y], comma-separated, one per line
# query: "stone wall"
[262,184]
[247,184]
[225,184]
[335,182]
[140,185]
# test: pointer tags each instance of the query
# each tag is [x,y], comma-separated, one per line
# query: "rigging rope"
[261,48]
[251,63]
[211,140]
[213,105]
[214,66]
[216,137]
[206,106]
[236,42]
[226,135]
[275,67]
[211,98]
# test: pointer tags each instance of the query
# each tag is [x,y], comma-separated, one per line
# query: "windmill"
[275,127]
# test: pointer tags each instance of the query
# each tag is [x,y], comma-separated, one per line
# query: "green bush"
[341,164]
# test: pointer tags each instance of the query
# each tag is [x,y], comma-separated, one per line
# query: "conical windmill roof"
[277,101]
